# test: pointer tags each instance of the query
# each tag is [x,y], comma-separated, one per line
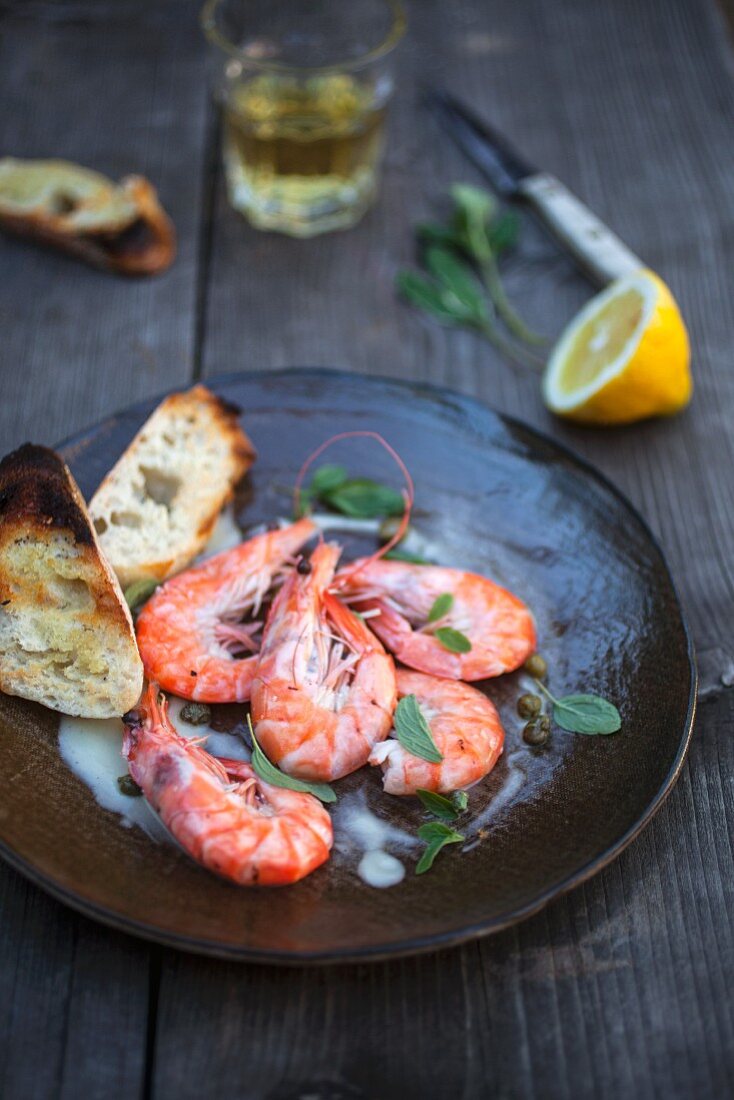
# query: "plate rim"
[435,941]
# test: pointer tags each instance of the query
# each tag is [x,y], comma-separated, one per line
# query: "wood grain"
[87,83]
[118,87]
[623,987]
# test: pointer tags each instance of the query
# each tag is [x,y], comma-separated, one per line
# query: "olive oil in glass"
[301,155]
[304,87]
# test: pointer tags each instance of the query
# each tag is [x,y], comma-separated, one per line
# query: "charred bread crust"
[36,488]
[38,495]
[226,420]
[144,246]
[160,249]
[66,633]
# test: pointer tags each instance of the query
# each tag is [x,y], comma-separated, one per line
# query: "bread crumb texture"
[66,636]
[155,510]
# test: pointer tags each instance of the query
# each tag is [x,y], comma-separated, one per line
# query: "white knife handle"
[594,246]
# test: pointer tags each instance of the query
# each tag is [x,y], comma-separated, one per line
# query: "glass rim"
[216,38]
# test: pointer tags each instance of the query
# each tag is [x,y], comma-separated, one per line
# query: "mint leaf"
[437,836]
[503,233]
[474,202]
[429,297]
[413,731]
[441,606]
[362,498]
[430,233]
[276,778]
[458,280]
[453,640]
[586,714]
[448,809]
[139,592]
[396,554]
[326,478]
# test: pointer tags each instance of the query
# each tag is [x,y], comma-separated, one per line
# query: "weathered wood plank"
[73,1001]
[118,87]
[617,101]
[621,988]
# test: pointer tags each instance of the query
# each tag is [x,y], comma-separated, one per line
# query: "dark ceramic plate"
[493,496]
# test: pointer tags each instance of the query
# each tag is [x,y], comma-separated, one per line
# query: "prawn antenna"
[408,492]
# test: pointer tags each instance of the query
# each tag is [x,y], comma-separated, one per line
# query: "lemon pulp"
[624,357]
[601,340]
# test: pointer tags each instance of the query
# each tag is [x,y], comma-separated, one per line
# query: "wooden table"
[622,988]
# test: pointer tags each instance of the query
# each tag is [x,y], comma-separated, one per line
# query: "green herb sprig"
[454,255]
[437,836]
[448,809]
[396,554]
[139,592]
[453,640]
[448,636]
[359,497]
[276,778]
[441,606]
[583,713]
[413,732]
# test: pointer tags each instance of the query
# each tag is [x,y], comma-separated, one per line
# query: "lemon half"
[624,357]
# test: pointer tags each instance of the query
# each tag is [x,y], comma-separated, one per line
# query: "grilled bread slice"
[156,508]
[121,227]
[66,636]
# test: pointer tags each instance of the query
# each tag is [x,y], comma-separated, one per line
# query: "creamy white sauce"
[380,869]
[93,751]
[507,793]
[357,829]
[218,744]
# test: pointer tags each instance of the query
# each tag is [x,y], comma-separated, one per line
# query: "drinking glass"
[304,86]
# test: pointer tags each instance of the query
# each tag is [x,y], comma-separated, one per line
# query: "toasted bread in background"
[121,227]
[66,636]
[156,508]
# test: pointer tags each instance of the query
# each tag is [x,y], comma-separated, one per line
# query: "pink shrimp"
[219,811]
[324,692]
[191,629]
[400,596]
[465,727]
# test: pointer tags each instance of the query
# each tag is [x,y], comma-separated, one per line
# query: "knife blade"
[596,249]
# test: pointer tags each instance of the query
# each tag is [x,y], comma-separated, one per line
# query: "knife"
[598,251]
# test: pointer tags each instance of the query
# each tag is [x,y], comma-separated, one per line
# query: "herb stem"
[515,323]
[521,356]
[545,691]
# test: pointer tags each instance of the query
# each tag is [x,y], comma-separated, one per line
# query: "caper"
[128,786]
[536,667]
[528,705]
[537,730]
[303,567]
[196,714]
